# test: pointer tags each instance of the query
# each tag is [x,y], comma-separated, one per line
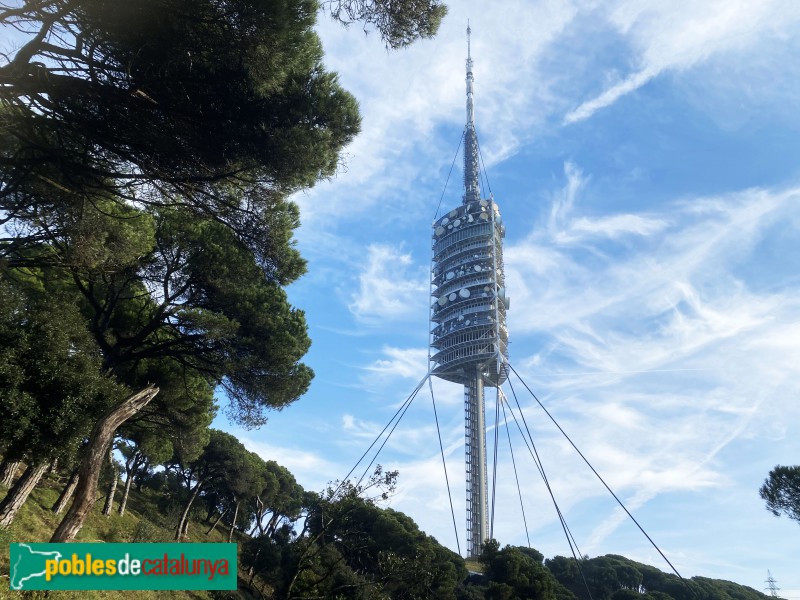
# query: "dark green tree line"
[614,577]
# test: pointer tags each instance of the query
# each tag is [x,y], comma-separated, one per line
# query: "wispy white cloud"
[564,228]
[310,468]
[390,286]
[410,363]
[618,225]
[675,301]
[414,91]
[674,37]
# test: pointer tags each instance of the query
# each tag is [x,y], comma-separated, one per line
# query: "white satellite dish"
[484,203]
[450,275]
[470,219]
[478,268]
[453,213]
[442,300]
[439,230]
[484,216]
[464,293]
[457,223]
[445,221]
[452,297]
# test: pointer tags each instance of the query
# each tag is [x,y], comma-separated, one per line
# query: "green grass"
[36,523]
[473,565]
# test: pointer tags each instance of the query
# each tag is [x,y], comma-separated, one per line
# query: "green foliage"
[252,339]
[398,23]
[146,153]
[351,548]
[515,573]
[781,491]
[147,532]
[398,560]
[280,496]
[50,376]
[613,577]
[176,92]
[221,460]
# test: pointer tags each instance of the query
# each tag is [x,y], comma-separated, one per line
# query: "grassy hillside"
[141,523]
[405,558]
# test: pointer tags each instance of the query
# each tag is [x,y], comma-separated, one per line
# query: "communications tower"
[772,585]
[469,338]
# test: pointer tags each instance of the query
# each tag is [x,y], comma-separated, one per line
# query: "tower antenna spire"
[471,170]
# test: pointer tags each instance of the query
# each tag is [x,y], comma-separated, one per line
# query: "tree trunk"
[66,493]
[112,486]
[18,494]
[273,523]
[183,525]
[259,517]
[132,467]
[99,441]
[219,518]
[252,570]
[233,522]
[127,490]
[185,530]
[8,470]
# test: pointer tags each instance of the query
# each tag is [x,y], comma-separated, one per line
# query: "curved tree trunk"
[112,485]
[130,473]
[252,570]
[219,518]
[125,493]
[259,517]
[233,521]
[273,524]
[8,470]
[66,493]
[99,442]
[183,525]
[18,494]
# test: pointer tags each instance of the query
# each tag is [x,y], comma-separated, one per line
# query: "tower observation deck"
[469,338]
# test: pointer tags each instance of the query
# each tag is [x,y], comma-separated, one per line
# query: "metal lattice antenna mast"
[772,585]
[472,191]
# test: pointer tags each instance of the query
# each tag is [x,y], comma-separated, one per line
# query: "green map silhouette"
[27,564]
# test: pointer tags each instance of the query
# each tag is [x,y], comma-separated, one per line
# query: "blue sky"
[644,155]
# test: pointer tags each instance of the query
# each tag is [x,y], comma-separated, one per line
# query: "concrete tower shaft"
[469,338]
